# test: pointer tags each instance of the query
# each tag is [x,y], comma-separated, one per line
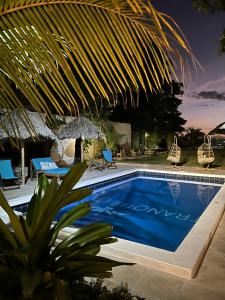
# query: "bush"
[96,290]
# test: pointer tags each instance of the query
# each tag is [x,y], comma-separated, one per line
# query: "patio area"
[153,284]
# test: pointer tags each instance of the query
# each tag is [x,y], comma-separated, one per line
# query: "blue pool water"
[157,213]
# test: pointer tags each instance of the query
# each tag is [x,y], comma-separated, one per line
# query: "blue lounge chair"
[108,158]
[47,166]
[7,176]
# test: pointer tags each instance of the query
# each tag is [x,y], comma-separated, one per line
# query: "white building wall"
[125,129]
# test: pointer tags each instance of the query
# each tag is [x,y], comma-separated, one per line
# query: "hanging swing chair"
[175,152]
[205,152]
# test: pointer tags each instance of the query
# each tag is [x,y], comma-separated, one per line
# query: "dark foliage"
[96,290]
[156,112]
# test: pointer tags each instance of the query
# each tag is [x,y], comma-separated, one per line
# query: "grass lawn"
[188,157]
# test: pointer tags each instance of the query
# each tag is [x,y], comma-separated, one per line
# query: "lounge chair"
[7,176]
[108,158]
[47,166]
[95,165]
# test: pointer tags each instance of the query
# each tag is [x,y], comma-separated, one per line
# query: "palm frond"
[62,54]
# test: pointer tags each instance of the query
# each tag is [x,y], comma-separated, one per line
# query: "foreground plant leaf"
[31,262]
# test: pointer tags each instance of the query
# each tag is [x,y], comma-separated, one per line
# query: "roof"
[24,125]
[81,127]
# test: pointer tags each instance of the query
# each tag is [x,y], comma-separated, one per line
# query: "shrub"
[96,290]
[32,264]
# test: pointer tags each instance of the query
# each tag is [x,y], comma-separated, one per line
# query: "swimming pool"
[186,259]
[150,211]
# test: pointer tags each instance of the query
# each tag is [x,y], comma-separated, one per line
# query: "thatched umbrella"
[23,126]
[80,128]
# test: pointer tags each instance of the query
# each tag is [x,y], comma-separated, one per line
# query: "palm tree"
[195,136]
[59,55]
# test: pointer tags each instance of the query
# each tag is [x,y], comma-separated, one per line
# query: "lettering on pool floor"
[110,210]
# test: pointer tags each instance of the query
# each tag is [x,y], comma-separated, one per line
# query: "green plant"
[97,290]
[194,136]
[112,136]
[87,144]
[33,265]
[153,139]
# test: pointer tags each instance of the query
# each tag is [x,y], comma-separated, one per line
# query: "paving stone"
[212,278]
[148,282]
[194,292]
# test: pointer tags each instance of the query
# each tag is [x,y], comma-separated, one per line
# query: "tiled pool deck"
[156,285]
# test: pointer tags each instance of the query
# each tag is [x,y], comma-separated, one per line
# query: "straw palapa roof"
[24,126]
[80,127]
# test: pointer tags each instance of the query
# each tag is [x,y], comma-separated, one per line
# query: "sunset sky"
[204,100]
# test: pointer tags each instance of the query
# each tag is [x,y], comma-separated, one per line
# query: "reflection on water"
[174,189]
[205,193]
[158,213]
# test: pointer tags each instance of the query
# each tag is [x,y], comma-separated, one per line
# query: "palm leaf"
[14,220]
[63,54]
[8,235]
[57,197]
[70,217]
[83,236]
[88,265]
[35,202]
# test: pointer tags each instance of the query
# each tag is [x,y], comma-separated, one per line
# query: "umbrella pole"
[22,165]
[78,151]
[82,151]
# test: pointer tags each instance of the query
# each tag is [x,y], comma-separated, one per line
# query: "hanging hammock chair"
[205,152]
[175,152]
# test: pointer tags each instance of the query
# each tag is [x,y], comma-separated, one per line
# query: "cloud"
[214,95]
[211,85]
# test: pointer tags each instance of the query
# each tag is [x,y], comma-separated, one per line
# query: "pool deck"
[153,284]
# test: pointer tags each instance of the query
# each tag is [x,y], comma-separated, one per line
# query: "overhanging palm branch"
[62,54]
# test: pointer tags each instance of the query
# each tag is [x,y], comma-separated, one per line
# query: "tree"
[156,112]
[195,136]
[212,6]
[61,55]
